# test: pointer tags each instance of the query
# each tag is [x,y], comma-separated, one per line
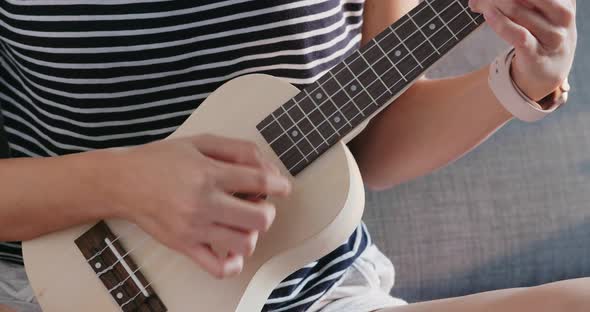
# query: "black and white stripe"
[10,252]
[78,75]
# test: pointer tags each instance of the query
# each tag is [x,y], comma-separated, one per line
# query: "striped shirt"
[78,75]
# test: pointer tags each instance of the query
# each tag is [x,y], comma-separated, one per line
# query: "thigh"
[571,296]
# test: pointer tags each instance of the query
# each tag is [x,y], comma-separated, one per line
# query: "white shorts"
[15,290]
[364,287]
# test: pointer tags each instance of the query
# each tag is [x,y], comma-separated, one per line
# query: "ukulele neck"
[367,81]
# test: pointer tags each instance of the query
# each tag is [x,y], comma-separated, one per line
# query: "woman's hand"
[544,34]
[181,192]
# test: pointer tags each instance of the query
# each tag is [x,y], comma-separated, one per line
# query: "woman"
[79,77]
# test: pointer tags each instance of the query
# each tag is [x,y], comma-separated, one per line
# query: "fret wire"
[317,107]
[423,34]
[350,100]
[306,137]
[360,83]
[437,14]
[301,132]
[401,24]
[334,103]
[309,119]
[389,59]
[415,67]
[404,43]
[305,116]
[467,12]
[402,59]
[287,134]
[328,99]
[373,69]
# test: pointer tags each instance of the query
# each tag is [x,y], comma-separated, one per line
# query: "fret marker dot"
[353,88]
[294,133]
[432,26]
[119,295]
[319,96]
[337,119]
[398,53]
[98,265]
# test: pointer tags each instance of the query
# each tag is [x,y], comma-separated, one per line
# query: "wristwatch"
[514,100]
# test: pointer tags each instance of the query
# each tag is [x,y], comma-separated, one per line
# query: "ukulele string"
[127,231]
[150,257]
[417,66]
[145,239]
[110,267]
[437,15]
[385,92]
[158,278]
[168,265]
[396,28]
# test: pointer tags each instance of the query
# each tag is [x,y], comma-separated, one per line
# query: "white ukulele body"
[323,210]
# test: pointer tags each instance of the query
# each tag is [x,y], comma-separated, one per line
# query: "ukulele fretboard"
[322,114]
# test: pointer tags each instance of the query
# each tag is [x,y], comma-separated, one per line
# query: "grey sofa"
[515,212]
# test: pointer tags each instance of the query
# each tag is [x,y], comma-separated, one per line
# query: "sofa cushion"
[515,212]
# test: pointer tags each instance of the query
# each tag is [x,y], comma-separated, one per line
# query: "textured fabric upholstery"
[515,212]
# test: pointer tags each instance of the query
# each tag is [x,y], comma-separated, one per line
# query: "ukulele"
[115,266]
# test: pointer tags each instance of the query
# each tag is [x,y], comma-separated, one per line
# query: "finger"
[224,267]
[231,240]
[242,214]
[516,35]
[537,24]
[559,12]
[478,6]
[232,150]
[236,179]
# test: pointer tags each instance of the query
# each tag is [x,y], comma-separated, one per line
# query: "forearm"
[38,196]
[429,126]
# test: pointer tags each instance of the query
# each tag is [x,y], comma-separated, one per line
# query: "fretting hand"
[544,35]
[181,192]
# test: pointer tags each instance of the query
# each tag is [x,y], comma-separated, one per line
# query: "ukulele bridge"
[118,272]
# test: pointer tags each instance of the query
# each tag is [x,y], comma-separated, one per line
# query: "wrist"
[530,85]
[513,98]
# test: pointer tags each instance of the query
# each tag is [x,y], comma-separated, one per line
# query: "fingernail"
[282,182]
[234,266]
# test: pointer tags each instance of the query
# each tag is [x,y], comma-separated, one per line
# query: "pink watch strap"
[509,95]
